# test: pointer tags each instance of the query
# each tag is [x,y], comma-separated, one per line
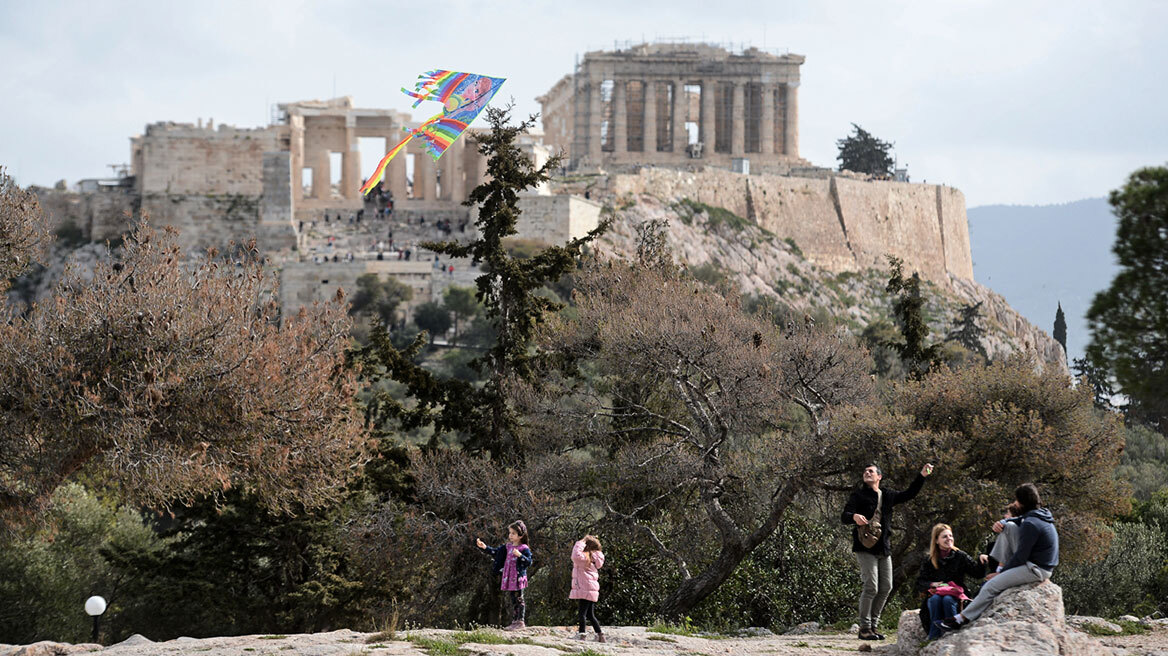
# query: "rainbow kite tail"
[379,174]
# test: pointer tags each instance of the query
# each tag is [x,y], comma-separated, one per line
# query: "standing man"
[869,510]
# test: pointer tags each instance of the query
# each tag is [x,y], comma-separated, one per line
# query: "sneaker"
[867,634]
[511,626]
[579,636]
[518,626]
[948,624]
[879,636]
[600,637]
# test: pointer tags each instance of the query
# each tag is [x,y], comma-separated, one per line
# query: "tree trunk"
[692,591]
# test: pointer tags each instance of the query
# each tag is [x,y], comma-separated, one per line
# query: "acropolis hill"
[677,122]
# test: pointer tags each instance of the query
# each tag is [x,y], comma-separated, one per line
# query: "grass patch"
[588,651]
[438,646]
[273,637]
[662,638]
[717,215]
[486,637]
[1126,627]
[384,636]
[686,629]
[794,247]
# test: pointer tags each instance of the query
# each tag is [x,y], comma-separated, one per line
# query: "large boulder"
[1025,621]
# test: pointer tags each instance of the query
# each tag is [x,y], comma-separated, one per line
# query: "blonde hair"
[590,544]
[934,551]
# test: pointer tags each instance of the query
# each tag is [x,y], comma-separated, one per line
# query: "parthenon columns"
[595,118]
[709,91]
[766,132]
[790,121]
[738,120]
[620,116]
[680,109]
[650,116]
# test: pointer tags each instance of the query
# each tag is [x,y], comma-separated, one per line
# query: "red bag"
[951,589]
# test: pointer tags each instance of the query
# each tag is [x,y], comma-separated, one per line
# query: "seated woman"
[946,567]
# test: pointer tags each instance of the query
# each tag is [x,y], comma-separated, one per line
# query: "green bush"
[47,574]
[804,572]
[1127,580]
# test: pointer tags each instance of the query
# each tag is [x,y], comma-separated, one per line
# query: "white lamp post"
[94,607]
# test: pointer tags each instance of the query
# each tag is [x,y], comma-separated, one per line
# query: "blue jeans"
[940,607]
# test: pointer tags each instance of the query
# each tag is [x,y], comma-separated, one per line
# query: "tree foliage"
[24,232]
[483,415]
[1060,328]
[918,356]
[433,318]
[1129,320]
[378,298]
[698,424]
[967,331]
[166,381]
[863,153]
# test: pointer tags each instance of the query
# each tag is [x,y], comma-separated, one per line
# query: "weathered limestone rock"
[1080,621]
[48,648]
[1027,621]
[806,628]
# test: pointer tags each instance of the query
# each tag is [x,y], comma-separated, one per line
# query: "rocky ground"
[1024,621]
[536,641]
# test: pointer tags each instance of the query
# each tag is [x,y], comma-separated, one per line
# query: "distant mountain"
[1037,256]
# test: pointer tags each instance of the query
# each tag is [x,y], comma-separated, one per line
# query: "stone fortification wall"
[305,283]
[100,215]
[205,220]
[840,223]
[556,219]
[185,159]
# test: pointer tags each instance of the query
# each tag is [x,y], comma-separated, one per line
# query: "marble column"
[709,129]
[350,161]
[453,182]
[766,129]
[321,174]
[424,175]
[680,108]
[395,172]
[595,117]
[738,120]
[650,122]
[791,122]
[620,117]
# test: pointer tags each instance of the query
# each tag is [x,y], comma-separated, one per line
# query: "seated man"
[1028,555]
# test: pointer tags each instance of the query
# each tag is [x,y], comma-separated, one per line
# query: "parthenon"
[677,104]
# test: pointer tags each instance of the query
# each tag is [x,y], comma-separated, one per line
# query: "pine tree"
[483,416]
[863,153]
[1129,320]
[918,358]
[1060,328]
[967,332]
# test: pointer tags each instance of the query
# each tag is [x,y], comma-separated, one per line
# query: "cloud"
[1011,102]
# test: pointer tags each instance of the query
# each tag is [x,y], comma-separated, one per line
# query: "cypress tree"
[1060,328]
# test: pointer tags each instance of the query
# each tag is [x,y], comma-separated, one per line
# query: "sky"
[1011,102]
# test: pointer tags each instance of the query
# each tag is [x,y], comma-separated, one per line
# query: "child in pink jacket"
[587,559]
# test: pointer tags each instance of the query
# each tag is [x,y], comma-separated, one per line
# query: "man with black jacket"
[875,561]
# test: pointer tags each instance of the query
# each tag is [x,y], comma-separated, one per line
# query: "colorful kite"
[463,96]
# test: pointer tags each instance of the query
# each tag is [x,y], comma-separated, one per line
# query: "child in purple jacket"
[511,560]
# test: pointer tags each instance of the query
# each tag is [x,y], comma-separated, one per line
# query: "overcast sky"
[1012,102]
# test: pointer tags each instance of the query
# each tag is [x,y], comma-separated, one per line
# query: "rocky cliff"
[810,269]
